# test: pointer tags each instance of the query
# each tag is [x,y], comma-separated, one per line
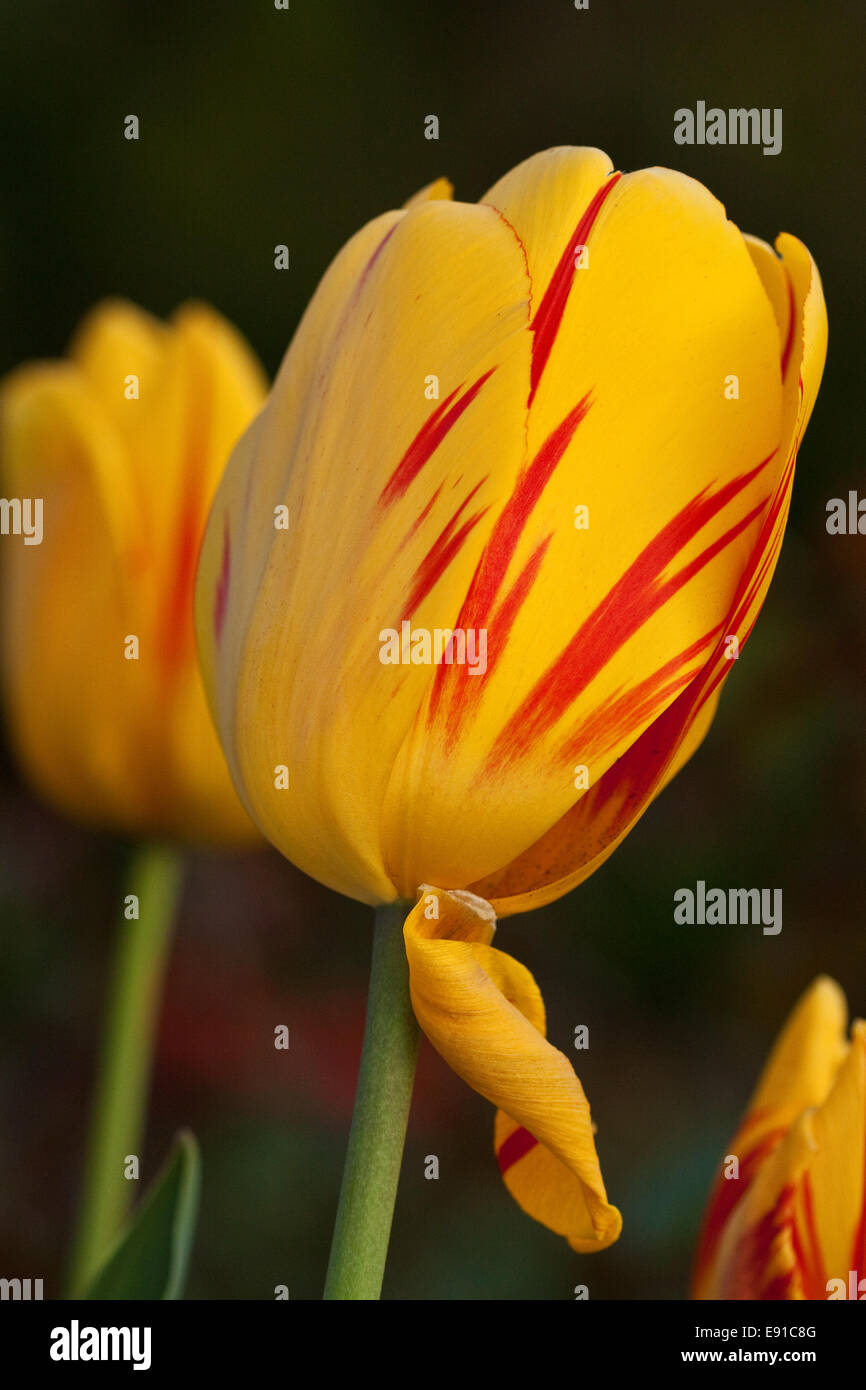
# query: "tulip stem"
[116,1127]
[382,1100]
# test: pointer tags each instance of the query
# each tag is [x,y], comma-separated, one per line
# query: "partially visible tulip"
[121,445]
[124,443]
[469,382]
[787,1216]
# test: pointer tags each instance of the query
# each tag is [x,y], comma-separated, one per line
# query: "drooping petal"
[484,1014]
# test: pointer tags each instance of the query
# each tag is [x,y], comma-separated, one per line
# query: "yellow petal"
[387,520]
[757,1256]
[593,633]
[805,1060]
[114,342]
[127,469]
[484,1014]
[587,834]
[438,189]
[64,674]
[832,1212]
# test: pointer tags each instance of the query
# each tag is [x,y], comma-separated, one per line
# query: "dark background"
[260,126]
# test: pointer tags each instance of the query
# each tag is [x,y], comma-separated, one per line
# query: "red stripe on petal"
[789,339]
[607,724]
[447,544]
[624,791]
[545,324]
[636,596]
[726,1196]
[506,614]
[757,1253]
[518,1143]
[221,595]
[372,261]
[809,1255]
[422,515]
[429,437]
[496,557]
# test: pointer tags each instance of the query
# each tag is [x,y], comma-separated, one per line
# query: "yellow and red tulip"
[124,442]
[787,1219]
[582,328]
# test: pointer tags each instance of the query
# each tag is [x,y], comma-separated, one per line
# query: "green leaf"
[151,1258]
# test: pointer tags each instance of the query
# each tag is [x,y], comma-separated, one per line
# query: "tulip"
[123,443]
[787,1216]
[120,448]
[559,425]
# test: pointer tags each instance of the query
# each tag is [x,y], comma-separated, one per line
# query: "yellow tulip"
[787,1215]
[123,444]
[561,423]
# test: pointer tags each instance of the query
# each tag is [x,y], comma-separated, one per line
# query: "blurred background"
[261,127]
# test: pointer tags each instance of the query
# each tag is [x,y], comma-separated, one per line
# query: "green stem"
[120,1100]
[382,1100]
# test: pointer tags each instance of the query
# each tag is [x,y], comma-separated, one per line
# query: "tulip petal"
[57,445]
[757,1256]
[594,633]
[834,1197]
[439,188]
[388,488]
[589,833]
[484,1014]
[805,1061]
[127,470]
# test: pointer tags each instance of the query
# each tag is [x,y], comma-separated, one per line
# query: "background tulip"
[789,1222]
[466,380]
[124,442]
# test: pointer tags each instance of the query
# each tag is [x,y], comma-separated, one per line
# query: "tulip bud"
[122,444]
[787,1216]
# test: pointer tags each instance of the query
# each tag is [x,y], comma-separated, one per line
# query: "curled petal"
[484,1014]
